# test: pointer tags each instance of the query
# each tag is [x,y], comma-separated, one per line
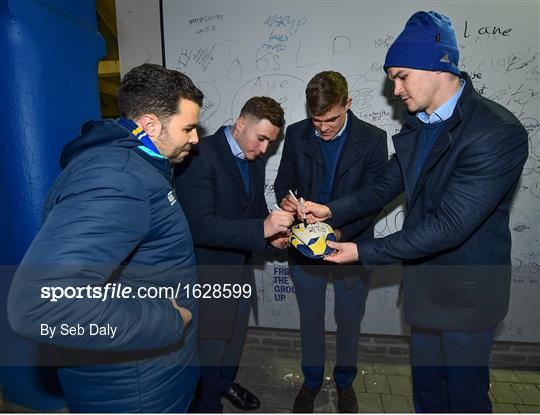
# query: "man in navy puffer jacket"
[112,221]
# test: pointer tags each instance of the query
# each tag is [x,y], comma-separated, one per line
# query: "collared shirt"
[340,131]
[240,157]
[433,126]
[445,111]
[235,148]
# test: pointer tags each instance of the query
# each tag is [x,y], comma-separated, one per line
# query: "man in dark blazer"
[222,192]
[326,156]
[458,158]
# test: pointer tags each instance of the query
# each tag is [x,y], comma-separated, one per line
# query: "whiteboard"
[234,50]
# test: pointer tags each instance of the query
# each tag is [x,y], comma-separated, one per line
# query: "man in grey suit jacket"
[458,158]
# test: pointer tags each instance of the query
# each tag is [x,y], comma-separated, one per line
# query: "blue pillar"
[48,88]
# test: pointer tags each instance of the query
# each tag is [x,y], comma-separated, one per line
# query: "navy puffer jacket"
[112,217]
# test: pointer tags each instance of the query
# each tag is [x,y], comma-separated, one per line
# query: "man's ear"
[240,123]
[348,103]
[151,124]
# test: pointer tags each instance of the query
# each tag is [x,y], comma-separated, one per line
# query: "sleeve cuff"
[367,254]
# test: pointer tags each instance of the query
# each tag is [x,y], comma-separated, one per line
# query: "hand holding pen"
[280,240]
[277,222]
[315,212]
[290,203]
[301,206]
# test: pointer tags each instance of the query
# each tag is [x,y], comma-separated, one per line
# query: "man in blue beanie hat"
[459,157]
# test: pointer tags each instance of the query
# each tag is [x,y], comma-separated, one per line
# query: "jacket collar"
[411,121]
[230,163]
[405,142]
[311,147]
[351,150]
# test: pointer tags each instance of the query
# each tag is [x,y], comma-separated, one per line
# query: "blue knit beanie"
[428,42]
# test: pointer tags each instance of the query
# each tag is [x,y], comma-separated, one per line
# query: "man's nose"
[397,88]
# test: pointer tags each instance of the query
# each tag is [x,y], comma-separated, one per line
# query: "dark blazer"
[362,160]
[455,242]
[226,224]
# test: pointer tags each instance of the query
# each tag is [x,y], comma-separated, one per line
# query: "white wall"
[139,33]
[139,36]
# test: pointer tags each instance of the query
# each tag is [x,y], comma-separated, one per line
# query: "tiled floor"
[379,387]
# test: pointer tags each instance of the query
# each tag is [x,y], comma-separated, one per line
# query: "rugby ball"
[311,240]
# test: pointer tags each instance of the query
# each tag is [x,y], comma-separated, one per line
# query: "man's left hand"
[346,252]
[281,240]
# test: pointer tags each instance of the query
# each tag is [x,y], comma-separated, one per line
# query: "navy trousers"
[219,359]
[450,370]
[310,288]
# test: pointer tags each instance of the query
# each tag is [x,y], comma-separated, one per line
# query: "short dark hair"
[325,90]
[153,89]
[264,108]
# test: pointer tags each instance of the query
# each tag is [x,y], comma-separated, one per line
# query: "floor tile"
[503,393]
[411,402]
[528,376]
[380,387]
[385,369]
[395,404]
[365,369]
[529,394]
[404,370]
[376,384]
[265,374]
[358,384]
[229,408]
[369,403]
[503,375]
[324,403]
[504,408]
[400,385]
[528,409]
[274,396]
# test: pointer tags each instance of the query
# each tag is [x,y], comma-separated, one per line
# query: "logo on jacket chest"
[171,198]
